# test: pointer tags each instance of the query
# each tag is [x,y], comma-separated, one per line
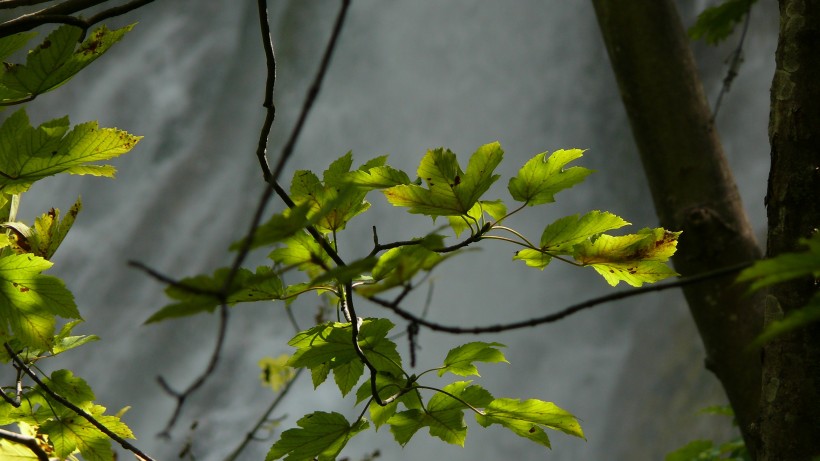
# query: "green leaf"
[542,177]
[692,451]
[533,258]
[334,202]
[444,415]
[321,436]
[795,319]
[302,251]
[63,342]
[634,258]
[279,227]
[379,177]
[55,61]
[398,266]
[785,266]
[344,274]
[71,432]
[330,345]
[716,23]
[459,360]
[495,208]
[12,43]
[563,234]
[276,374]
[528,418]
[11,451]
[29,301]
[46,235]
[201,293]
[450,191]
[73,388]
[29,154]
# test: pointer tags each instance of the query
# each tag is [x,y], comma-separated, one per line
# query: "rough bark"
[790,409]
[691,184]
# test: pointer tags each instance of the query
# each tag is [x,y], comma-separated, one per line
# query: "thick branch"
[29,442]
[691,183]
[790,415]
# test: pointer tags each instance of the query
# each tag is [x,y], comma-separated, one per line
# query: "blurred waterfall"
[407,76]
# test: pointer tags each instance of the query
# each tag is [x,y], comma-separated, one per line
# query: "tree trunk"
[691,184]
[790,409]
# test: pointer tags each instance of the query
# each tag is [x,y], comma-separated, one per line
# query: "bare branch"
[554,317]
[734,61]
[123,443]
[30,442]
[9,4]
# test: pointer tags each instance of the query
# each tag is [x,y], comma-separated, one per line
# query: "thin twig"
[735,59]
[9,4]
[29,442]
[251,435]
[61,14]
[200,380]
[554,317]
[123,443]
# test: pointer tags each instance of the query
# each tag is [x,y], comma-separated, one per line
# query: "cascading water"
[406,76]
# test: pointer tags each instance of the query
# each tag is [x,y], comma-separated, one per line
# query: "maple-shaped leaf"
[397,266]
[320,436]
[529,418]
[329,346]
[303,252]
[55,61]
[444,414]
[495,208]
[47,234]
[635,258]
[70,432]
[28,154]
[544,176]
[450,191]
[333,202]
[459,360]
[29,300]
[387,384]
[201,293]
[562,235]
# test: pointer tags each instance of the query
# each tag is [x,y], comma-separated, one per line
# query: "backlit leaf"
[544,176]
[320,436]
[275,372]
[459,360]
[528,418]
[634,258]
[72,432]
[450,191]
[28,154]
[29,301]
[47,234]
[563,234]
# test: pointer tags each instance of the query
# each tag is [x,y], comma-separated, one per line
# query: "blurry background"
[406,76]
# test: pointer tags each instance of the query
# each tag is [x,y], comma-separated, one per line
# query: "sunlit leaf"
[73,432]
[450,191]
[459,360]
[29,301]
[47,234]
[320,436]
[302,251]
[634,259]
[528,418]
[28,154]
[533,258]
[399,265]
[563,234]
[544,176]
